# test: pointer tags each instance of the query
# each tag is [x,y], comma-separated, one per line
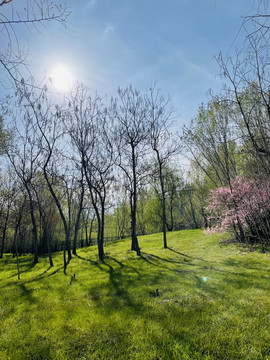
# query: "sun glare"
[61,78]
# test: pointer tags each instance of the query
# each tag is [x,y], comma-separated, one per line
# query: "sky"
[111,43]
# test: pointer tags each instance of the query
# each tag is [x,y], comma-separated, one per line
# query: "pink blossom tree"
[245,202]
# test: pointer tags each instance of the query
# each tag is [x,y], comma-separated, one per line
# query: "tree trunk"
[134,239]
[34,229]
[16,241]
[4,233]
[49,251]
[77,224]
[90,231]
[48,240]
[102,225]
[164,220]
[44,227]
[16,250]
[67,236]
[99,241]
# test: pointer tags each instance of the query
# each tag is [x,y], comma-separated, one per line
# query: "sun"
[61,78]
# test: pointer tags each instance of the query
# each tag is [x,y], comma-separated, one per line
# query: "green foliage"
[153,213]
[5,137]
[211,138]
[213,304]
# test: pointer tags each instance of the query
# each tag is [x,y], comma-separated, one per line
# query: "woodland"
[86,169]
[103,235]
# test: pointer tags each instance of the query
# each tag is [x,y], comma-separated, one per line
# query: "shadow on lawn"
[177,252]
[129,287]
[27,294]
[25,266]
[246,274]
[157,261]
[163,259]
[96,263]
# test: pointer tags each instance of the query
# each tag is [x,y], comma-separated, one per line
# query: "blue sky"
[113,43]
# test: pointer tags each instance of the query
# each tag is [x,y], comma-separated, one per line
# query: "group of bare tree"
[71,155]
[78,150]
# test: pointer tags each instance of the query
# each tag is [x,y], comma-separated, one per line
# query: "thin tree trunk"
[164,220]
[4,234]
[34,229]
[134,239]
[48,240]
[17,258]
[77,224]
[44,228]
[86,235]
[16,241]
[94,203]
[170,226]
[91,230]
[102,224]
[61,215]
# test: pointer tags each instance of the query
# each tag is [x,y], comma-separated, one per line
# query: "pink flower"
[246,202]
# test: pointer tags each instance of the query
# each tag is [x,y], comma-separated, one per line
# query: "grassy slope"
[108,310]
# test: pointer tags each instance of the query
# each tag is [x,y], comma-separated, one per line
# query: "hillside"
[213,303]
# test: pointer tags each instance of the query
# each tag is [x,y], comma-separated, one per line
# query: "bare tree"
[78,205]
[162,141]
[24,155]
[130,111]
[88,127]
[19,208]
[258,22]
[8,192]
[49,132]
[47,212]
[30,14]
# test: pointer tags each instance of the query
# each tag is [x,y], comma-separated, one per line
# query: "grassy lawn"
[214,303]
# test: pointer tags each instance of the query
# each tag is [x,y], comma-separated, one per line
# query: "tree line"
[85,162]
[88,166]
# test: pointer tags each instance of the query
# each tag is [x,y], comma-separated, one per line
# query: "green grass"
[214,303]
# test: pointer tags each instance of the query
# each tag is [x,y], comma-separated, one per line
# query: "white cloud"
[90,3]
[109,29]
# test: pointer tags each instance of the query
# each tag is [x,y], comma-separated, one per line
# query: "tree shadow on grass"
[119,292]
[27,294]
[147,256]
[248,274]
[45,271]
[177,252]
[144,256]
[247,264]
[115,260]
[157,261]
[127,287]
[185,255]
[115,280]
[41,276]
[24,268]
[96,263]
